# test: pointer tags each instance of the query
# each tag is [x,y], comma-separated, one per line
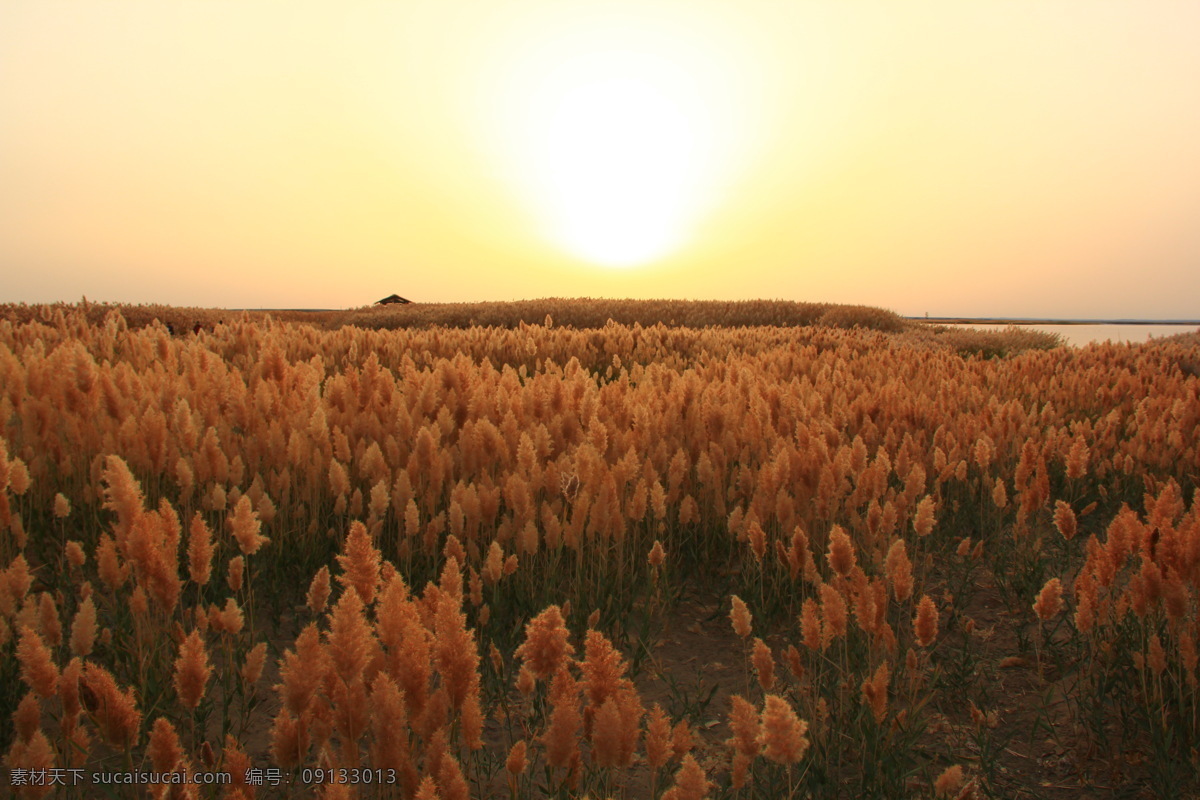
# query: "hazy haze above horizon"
[1012,159]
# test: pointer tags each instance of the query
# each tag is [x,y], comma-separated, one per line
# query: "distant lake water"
[1080,335]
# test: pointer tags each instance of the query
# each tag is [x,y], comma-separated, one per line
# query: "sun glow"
[619,138]
[619,156]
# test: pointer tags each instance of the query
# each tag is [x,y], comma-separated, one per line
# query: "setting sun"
[619,133]
[617,163]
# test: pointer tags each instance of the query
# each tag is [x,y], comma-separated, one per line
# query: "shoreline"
[1026,321]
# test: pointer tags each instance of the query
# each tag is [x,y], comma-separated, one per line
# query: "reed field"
[603,549]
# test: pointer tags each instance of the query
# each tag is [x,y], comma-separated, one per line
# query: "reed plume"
[1049,600]
[1064,519]
[560,738]
[690,782]
[76,557]
[782,732]
[739,615]
[360,563]
[833,614]
[764,665]
[318,591]
[925,623]
[252,667]
[164,750]
[115,712]
[841,555]
[34,756]
[875,691]
[949,782]
[37,665]
[27,719]
[246,527]
[923,520]
[350,638]
[658,737]
[899,571]
[191,670]
[83,628]
[546,648]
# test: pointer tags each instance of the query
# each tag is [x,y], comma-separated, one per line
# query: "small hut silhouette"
[392,299]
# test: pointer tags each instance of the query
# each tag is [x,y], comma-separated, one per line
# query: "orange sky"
[982,158]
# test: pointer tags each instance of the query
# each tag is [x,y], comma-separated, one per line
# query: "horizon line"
[1053,321]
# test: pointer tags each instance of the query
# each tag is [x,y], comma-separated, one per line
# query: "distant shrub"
[580,312]
[596,313]
[992,344]
[876,319]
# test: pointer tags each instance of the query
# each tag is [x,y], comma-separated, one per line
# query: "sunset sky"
[956,158]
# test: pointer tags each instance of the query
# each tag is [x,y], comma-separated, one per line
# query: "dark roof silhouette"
[392,299]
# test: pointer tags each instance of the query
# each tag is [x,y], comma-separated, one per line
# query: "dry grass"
[564,312]
[503,560]
[988,344]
